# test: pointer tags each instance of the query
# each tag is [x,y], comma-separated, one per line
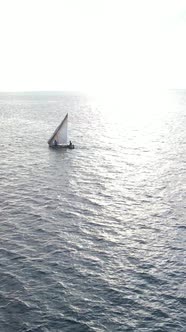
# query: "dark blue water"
[92,239]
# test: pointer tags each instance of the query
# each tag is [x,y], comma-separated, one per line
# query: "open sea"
[93,239]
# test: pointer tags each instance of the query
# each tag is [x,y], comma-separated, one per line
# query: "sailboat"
[59,138]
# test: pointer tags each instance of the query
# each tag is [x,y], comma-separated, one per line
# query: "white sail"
[60,135]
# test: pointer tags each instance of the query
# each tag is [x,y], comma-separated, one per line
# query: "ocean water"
[93,239]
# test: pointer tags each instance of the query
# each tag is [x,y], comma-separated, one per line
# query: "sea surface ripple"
[92,239]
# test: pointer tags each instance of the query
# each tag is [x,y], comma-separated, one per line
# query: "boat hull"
[62,146]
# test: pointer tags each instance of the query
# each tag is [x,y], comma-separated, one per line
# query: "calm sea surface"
[92,239]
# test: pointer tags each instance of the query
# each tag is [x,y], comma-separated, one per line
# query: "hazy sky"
[92,45]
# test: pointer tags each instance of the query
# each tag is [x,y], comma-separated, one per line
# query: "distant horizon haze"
[92,46]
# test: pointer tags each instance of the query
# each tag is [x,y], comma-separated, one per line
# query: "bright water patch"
[92,239]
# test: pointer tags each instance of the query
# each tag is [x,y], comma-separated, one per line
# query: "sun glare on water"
[134,118]
[135,106]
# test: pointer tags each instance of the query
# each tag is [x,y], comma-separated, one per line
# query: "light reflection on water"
[92,239]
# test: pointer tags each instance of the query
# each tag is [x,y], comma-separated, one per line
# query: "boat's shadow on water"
[60,150]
